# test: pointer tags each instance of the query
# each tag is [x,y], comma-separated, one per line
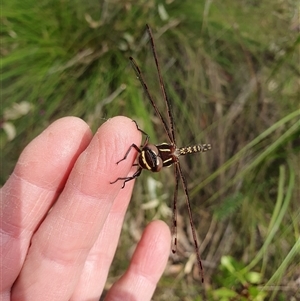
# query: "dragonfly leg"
[128,151]
[127,179]
[138,128]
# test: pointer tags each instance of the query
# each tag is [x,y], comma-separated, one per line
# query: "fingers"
[98,261]
[37,179]
[63,241]
[146,267]
[81,231]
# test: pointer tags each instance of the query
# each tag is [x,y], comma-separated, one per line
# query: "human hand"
[61,218]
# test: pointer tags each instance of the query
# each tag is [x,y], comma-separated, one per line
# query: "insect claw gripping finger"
[124,179]
[114,181]
[127,179]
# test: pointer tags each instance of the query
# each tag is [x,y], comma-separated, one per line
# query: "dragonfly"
[153,157]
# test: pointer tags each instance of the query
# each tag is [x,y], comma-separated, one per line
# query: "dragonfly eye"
[159,164]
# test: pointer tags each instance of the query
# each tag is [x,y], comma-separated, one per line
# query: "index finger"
[61,244]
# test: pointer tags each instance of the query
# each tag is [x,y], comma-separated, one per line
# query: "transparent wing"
[163,89]
[140,77]
[187,199]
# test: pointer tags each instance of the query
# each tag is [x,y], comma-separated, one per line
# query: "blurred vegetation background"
[232,73]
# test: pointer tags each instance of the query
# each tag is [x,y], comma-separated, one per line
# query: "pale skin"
[61,218]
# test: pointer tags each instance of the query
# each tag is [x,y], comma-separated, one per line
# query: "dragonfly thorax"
[154,157]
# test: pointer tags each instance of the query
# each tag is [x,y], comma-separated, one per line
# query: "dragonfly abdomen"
[200,148]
